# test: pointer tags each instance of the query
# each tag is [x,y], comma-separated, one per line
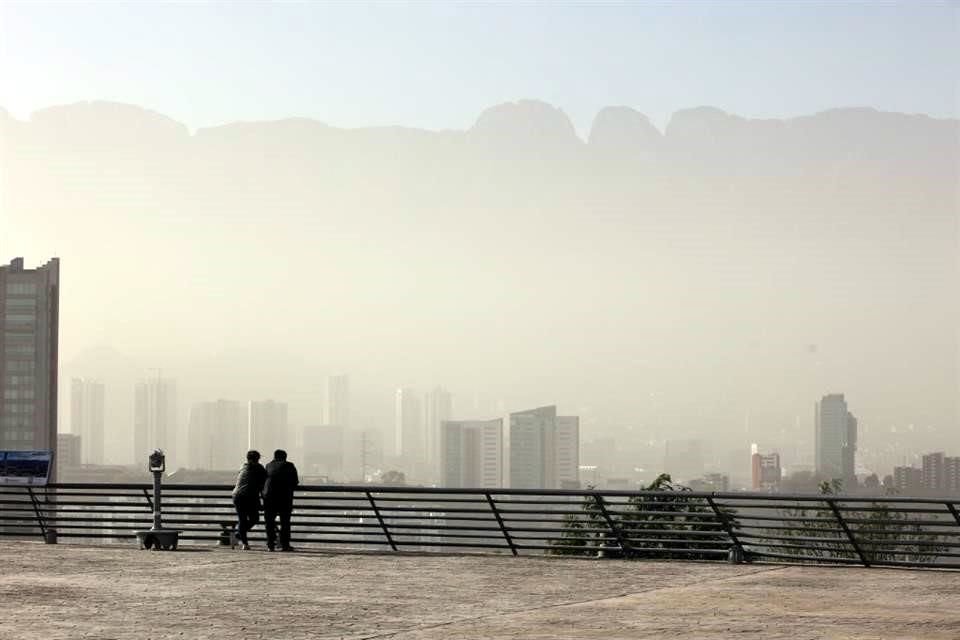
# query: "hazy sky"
[715,283]
[436,65]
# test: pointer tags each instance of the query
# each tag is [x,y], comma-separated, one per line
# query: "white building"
[438,408]
[86,418]
[267,430]
[472,453]
[154,418]
[567,456]
[336,411]
[410,445]
[217,435]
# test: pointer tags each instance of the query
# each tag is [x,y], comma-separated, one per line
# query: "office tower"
[86,417]
[951,474]
[409,432]
[765,471]
[907,480]
[544,449]
[29,311]
[567,455]
[472,453]
[934,472]
[217,433]
[337,406]
[438,408]
[323,450]
[68,450]
[268,427]
[532,448]
[835,438]
[154,418]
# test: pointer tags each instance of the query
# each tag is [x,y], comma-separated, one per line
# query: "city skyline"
[543,449]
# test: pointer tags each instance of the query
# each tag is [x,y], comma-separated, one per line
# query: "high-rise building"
[567,456]
[86,417]
[410,441]
[907,480]
[337,407]
[934,471]
[154,418]
[951,474]
[68,451]
[217,434]
[472,453]
[544,449]
[438,408]
[765,471]
[835,437]
[532,448]
[29,311]
[268,427]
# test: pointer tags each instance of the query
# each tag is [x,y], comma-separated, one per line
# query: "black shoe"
[270,547]
[287,549]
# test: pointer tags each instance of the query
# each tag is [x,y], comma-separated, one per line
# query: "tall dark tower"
[29,311]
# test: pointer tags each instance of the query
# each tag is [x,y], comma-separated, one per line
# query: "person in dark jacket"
[246,496]
[278,499]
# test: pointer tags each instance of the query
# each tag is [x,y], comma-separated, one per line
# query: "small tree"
[652,525]
[888,535]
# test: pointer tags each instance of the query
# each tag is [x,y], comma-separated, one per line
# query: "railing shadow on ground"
[822,529]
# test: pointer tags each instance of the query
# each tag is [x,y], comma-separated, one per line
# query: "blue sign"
[25,468]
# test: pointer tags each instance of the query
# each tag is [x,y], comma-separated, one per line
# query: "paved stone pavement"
[114,592]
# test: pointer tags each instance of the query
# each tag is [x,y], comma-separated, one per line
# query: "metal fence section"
[836,529]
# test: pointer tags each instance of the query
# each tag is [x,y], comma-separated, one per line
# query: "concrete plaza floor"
[79,591]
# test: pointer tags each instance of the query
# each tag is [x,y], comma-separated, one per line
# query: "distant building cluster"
[428,444]
[938,474]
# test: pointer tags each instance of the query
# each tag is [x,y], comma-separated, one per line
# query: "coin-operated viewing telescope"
[157,537]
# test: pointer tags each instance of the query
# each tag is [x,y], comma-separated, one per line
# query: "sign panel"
[25,468]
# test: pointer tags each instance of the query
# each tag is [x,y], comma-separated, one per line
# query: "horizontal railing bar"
[809,559]
[430,534]
[747,518]
[634,552]
[815,539]
[719,496]
[746,526]
[841,507]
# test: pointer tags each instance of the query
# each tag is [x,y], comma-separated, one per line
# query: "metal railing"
[836,529]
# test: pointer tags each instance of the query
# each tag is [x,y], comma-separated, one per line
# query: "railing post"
[383,525]
[503,527]
[36,510]
[953,510]
[621,540]
[724,519]
[846,529]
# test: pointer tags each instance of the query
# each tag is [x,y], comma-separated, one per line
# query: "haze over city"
[669,244]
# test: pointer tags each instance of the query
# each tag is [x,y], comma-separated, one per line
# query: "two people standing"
[275,484]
